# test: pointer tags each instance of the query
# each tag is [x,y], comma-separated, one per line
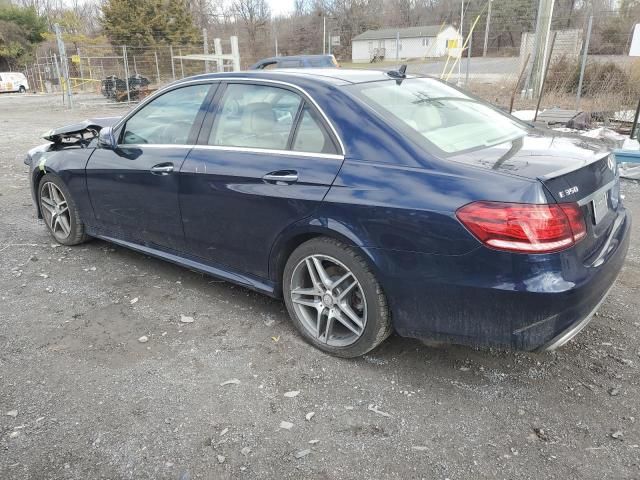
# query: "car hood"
[91,126]
[538,155]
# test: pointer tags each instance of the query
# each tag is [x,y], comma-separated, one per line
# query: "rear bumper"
[573,330]
[490,298]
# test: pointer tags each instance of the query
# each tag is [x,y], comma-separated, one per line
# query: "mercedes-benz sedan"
[371,202]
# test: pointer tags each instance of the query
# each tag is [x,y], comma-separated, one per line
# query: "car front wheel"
[334,298]
[22,89]
[59,211]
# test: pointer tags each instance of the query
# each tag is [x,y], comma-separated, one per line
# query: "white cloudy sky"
[280,7]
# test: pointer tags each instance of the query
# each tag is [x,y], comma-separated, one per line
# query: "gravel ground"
[81,397]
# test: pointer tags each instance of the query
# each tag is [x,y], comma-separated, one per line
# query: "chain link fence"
[122,73]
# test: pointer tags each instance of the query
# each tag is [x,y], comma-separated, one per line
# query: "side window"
[255,116]
[311,136]
[290,64]
[167,119]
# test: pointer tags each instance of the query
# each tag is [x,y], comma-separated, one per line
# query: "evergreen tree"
[149,22]
[20,30]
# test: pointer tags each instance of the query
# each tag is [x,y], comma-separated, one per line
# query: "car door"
[134,186]
[266,161]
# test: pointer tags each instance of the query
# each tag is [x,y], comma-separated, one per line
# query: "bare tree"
[255,16]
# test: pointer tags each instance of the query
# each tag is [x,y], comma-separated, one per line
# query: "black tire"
[378,318]
[76,234]
[22,89]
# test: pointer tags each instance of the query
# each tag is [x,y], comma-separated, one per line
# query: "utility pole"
[64,62]
[173,67]
[206,49]
[59,74]
[324,34]
[235,53]
[540,47]
[217,48]
[486,30]
[80,66]
[462,39]
[466,78]
[155,54]
[584,61]
[126,72]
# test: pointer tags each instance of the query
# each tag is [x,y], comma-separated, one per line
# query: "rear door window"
[290,64]
[311,136]
[255,116]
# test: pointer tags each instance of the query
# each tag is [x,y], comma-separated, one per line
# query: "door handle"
[283,176]
[162,169]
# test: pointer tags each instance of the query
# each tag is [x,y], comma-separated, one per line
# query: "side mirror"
[106,139]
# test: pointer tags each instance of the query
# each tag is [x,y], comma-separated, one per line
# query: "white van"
[13,82]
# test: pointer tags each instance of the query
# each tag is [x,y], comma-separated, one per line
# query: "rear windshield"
[439,114]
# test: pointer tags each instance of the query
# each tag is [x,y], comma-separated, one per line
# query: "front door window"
[166,120]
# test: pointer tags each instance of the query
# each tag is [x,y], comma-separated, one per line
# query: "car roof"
[332,76]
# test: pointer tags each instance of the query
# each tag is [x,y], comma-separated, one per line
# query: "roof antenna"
[399,74]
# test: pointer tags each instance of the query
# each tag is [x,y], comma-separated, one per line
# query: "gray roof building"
[410,32]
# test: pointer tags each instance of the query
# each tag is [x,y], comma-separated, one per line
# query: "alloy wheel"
[328,300]
[55,210]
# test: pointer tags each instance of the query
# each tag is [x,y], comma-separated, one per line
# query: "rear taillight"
[525,228]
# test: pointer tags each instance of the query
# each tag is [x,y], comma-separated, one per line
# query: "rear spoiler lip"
[563,171]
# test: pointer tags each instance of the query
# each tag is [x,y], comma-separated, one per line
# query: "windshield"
[447,118]
[327,61]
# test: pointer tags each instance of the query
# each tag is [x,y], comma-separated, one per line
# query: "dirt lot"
[82,398]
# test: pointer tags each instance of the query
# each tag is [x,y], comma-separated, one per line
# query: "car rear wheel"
[59,211]
[334,298]
[22,89]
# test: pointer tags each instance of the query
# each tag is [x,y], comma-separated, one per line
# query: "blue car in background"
[371,202]
[296,61]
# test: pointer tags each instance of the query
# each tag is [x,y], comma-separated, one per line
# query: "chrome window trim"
[155,145]
[305,94]
[290,153]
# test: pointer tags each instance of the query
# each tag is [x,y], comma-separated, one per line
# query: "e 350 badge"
[567,192]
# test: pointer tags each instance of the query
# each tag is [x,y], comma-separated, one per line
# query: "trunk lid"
[572,169]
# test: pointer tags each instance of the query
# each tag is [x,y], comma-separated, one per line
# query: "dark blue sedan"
[371,202]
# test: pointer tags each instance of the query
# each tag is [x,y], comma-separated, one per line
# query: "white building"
[634,51]
[413,42]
